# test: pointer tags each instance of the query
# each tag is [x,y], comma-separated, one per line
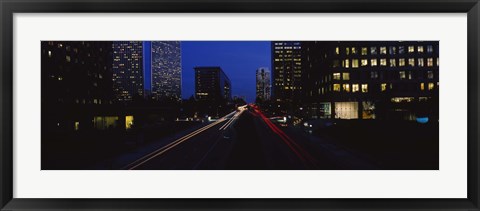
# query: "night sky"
[238,59]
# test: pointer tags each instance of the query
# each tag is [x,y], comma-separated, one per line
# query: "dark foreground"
[249,140]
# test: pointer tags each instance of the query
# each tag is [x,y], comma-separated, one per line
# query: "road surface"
[243,140]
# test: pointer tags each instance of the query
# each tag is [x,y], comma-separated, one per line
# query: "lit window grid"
[392,63]
[128,69]
[166,69]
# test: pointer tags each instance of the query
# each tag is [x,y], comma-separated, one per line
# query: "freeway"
[244,139]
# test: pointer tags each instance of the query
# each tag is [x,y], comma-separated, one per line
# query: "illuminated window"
[402,74]
[401,49]
[383,50]
[393,63]
[337,50]
[401,62]
[68,58]
[430,62]
[422,86]
[354,63]
[411,49]
[429,49]
[347,51]
[336,76]
[346,87]
[374,74]
[364,62]
[402,99]
[336,87]
[346,76]
[364,51]
[438,62]
[364,88]
[128,122]
[431,86]
[76,126]
[355,88]
[420,62]
[49,54]
[430,74]
[354,50]
[383,62]
[392,50]
[373,62]
[373,50]
[346,63]
[383,87]
[411,62]
[420,49]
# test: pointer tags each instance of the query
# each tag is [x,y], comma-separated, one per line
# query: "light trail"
[297,149]
[173,144]
[231,121]
[228,122]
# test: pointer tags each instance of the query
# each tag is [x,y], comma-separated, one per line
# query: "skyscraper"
[166,70]
[263,83]
[128,70]
[287,70]
[212,84]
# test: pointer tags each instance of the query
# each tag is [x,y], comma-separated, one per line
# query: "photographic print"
[240,105]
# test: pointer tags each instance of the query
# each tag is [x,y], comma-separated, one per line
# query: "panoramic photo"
[240,105]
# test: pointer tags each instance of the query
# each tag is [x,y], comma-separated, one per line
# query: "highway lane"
[242,140]
[192,150]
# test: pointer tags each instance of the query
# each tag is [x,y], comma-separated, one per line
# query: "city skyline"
[335,93]
[239,60]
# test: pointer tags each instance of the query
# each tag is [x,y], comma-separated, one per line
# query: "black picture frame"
[9,7]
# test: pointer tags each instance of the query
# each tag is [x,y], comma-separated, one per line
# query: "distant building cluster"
[328,79]
[358,80]
[84,82]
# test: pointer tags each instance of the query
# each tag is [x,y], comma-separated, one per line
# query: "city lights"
[240,105]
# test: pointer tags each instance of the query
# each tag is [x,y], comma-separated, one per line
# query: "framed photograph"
[254,105]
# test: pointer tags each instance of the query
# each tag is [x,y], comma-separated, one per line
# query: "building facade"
[128,70]
[166,70]
[263,84]
[212,84]
[372,79]
[76,84]
[287,74]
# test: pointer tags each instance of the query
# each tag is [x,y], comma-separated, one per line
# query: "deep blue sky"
[238,59]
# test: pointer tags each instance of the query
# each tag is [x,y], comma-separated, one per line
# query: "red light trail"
[307,159]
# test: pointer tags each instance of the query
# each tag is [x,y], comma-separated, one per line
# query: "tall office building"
[263,83]
[287,70]
[76,83]
[372,79]
[212,84]
[166,70]
[128,70]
